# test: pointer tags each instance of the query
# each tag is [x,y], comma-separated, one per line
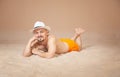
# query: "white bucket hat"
[39,24]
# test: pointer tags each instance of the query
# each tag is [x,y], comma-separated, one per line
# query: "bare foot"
[79,31]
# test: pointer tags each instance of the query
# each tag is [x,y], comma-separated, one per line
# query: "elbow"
[26,54]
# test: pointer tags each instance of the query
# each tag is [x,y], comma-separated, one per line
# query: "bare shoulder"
[51,41]
[51,37]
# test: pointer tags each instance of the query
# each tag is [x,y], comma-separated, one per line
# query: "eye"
[36,32]
[41,31]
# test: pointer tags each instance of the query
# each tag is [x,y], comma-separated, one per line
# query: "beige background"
[100,18]
[100,56]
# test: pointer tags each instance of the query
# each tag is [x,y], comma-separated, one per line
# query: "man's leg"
[77,36]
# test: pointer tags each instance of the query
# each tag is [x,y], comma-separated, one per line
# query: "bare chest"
[41,48]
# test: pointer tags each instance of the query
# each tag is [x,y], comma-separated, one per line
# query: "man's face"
[41,34]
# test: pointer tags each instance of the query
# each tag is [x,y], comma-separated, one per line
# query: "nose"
[39,34]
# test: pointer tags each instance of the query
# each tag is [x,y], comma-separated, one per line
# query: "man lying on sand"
[47,45]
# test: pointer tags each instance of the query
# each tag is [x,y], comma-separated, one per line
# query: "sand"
[100,56]
[96,60]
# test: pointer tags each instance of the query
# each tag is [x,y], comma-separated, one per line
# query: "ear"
[48,33]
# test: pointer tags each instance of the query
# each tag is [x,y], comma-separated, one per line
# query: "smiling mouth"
[40,39]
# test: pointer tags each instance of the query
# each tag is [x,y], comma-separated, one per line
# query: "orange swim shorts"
[73,46]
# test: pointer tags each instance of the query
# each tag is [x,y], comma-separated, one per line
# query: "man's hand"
[33,41]
[35,52]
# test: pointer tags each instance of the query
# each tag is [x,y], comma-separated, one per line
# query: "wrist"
[29,45]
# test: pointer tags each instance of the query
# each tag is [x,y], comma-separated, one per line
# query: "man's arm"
[51,49]
[28,49]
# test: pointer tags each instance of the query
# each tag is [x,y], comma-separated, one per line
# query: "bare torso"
[61,47]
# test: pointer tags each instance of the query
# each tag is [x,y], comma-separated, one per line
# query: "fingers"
[33,43]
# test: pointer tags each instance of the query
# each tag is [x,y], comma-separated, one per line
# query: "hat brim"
[46,27]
